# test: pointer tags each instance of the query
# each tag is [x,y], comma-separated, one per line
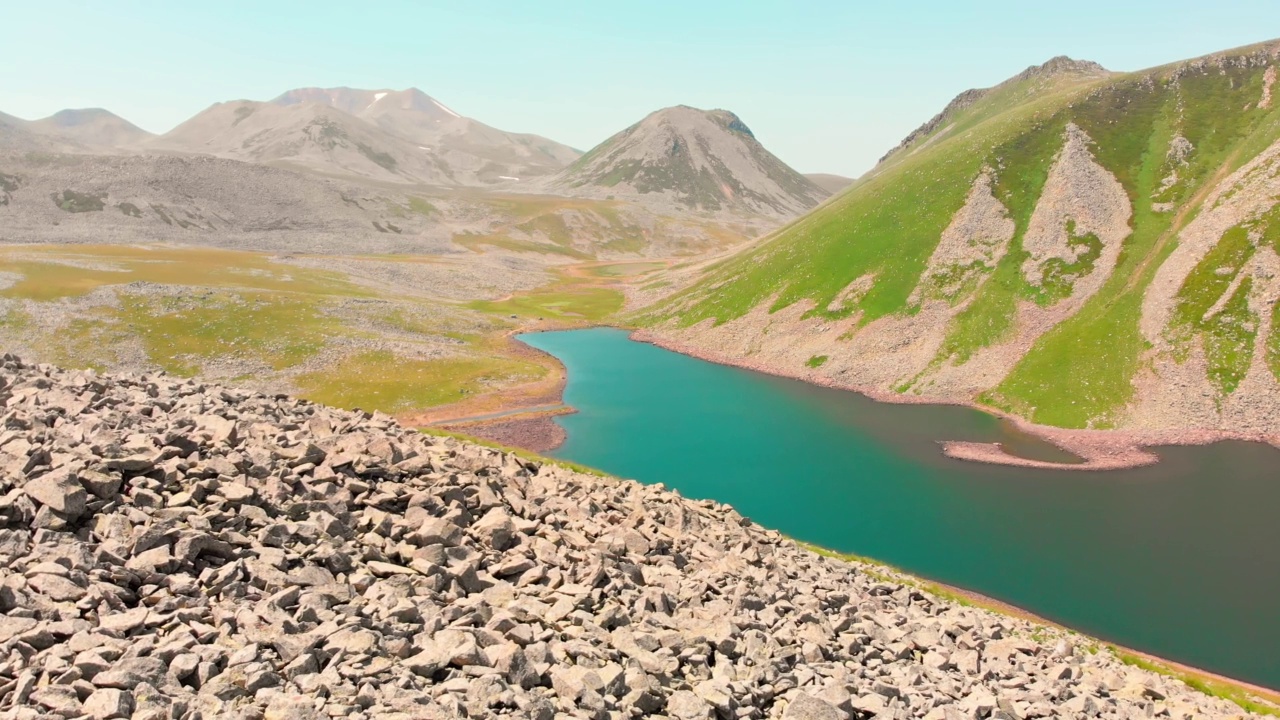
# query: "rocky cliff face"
[687,158]
[170,548]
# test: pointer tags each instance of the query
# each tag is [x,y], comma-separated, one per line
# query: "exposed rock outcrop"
[971,245]
[1079,223]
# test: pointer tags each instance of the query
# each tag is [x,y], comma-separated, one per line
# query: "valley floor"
[422,337]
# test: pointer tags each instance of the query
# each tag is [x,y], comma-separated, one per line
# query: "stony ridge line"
[176,549]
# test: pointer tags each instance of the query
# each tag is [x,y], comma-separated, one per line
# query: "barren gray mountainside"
[831,183]
[1057,67]
[16,136]
[196,200]
[474,152]
[94,128]
[176,549]
[50,197]
[685,158]
[308,135]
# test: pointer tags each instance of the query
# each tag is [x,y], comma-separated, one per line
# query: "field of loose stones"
[177,549]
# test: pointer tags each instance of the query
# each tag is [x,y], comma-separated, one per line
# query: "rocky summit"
[175,549]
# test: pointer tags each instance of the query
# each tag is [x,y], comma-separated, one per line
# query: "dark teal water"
[1181,559]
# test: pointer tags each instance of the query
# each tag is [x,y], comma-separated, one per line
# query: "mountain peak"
[1063,65]
[401,134]
[368,103]
[685,156]
[91,127]
[72,117]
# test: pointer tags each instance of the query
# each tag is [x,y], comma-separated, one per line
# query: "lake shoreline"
[535,431]
[1099,449]
[519,417]
[994,604]
[977,452]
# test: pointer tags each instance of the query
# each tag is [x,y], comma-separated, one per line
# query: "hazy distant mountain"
[17,136]
[831,183]
[475,153]
[308,135]
[12,132]
[92,127]
[11,121]
[691,159]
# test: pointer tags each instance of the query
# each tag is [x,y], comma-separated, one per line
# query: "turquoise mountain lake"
[1181,559]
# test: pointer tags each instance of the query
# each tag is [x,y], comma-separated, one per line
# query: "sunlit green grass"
[626,269]
[277,329]
[221,308]
[379,380]
[504,242]
[51,272]
[567,303]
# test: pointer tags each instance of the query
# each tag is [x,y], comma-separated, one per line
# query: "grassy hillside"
[349,337]
[1081,372]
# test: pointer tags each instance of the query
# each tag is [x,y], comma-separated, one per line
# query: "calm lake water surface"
[1181,559]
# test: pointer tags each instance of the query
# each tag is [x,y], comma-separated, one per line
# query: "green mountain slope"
[1083,248]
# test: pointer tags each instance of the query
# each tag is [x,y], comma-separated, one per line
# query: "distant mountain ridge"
[93,127]
[684,157]
[305,135]
[76,130]
[675,160]
[472,150]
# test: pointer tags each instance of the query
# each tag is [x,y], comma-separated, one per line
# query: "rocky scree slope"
[686,158]
[1079,248]
[173,549]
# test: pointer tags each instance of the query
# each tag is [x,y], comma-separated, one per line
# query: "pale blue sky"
[828,86]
